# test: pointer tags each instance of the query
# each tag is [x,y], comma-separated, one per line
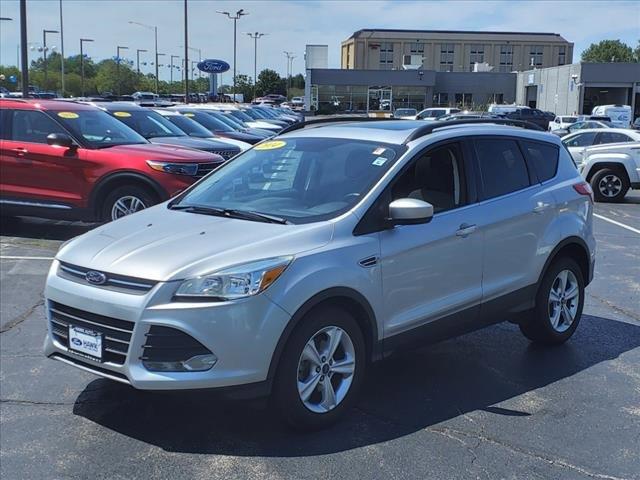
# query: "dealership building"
[387,69]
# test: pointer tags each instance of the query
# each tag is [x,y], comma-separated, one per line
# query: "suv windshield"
[148,123]
[97,128]
[207,121]
[302,180]
[189,126]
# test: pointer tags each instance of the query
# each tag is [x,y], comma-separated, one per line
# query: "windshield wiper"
[231,213]
[257,216]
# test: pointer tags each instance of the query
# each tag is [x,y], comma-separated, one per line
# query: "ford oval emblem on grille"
[95,278]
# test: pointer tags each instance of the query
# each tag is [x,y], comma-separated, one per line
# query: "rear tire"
[297,370]
[126,200]
[609,185]
[559,304]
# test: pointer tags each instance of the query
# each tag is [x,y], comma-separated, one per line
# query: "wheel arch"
[619,166]
[117,179]
[574,248]
[349,299]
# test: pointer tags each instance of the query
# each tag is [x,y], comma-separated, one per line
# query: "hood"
[243,137]
[189,142]
[152,151]
[161,244]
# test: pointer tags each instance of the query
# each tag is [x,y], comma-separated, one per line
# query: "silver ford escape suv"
[289,269]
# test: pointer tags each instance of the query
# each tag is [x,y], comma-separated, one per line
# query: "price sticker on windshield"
[68,115]
[122,114]
[272,145]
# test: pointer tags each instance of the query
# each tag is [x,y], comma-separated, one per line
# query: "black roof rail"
[320,121]
[431,126]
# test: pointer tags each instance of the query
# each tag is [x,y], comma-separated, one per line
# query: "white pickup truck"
[611,169]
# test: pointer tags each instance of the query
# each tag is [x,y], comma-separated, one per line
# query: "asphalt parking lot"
[486,405]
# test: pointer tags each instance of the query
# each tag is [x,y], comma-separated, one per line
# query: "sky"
[290,25]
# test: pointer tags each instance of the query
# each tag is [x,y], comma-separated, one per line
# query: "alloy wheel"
[126,206]
[326,369]
[564,299]
[610,186]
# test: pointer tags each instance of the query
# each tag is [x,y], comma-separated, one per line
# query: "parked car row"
[99,161]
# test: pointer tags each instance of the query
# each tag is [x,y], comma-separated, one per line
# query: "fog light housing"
[171,350]
[197,363]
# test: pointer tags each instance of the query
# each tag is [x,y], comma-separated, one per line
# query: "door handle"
[465,230]
[20,151]
[541,207]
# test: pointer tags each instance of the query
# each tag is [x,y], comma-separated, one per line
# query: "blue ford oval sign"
[213,66]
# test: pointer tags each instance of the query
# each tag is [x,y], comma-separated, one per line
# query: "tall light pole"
[118,65]
[82,40]
[235,19]
[290,57]
[44,53]
[255,37]
[172,67]
[61,53]
[186,54]
[155,36]
[24,49]
[138,52]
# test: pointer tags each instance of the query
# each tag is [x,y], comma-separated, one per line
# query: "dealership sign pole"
[213,67]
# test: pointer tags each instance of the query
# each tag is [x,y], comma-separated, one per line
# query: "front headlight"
[235,282]
[175,168]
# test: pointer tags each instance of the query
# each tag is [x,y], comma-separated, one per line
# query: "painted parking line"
[606,219]
[15,257]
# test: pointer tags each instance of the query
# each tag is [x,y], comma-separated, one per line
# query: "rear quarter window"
[543,157]
[503,168]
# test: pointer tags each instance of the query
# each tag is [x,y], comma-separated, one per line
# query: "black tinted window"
[502,167]
[33,126]
[585,139]
[543,157]
[613,137]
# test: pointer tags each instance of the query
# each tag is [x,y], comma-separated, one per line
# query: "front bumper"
[242,334]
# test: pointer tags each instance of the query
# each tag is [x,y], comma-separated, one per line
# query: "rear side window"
[543,157]
[585,139]
[613,137]
[502,167]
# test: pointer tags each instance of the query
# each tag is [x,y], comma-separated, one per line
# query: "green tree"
[108,80]
[270,82]
[244,85]
[608,51]
[636,52]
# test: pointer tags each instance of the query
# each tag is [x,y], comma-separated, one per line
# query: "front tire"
[609,185]
[559,304]
[321,369]
[124,201]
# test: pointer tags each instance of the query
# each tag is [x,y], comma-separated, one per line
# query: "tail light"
[583,188]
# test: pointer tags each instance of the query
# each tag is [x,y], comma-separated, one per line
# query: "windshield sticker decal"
[272,145]
[122,114]
[68,115]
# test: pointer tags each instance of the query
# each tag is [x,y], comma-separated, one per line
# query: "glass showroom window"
[562,55]
[464,99]
[496,98]
[506,58]
[446,57]
[476,56]
[386,56]
[535,55]
[440,99]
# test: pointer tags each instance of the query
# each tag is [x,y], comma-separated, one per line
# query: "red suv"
[67,160]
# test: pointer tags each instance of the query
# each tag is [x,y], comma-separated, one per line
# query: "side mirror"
[60,140]
[410,211]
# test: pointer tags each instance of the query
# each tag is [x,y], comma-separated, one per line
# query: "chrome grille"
[116,282]
[116,333]
[228,153]
[206,168]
